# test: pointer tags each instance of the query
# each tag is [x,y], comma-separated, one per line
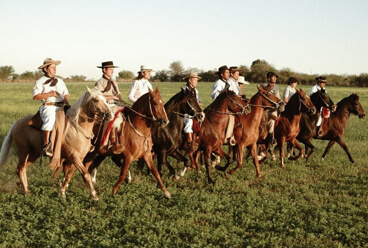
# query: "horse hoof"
[175,178]
[167,194]
[95,198]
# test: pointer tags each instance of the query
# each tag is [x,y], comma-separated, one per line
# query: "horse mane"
[353,97]
[173,102]
[75,109]
[217,102]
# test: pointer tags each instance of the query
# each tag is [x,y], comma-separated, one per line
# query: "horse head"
[322,99]
[235,104]
[355,107]
[157,107]
[305,103]
[191,105]
[272,101]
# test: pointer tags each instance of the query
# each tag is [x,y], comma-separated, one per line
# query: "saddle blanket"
[109,126]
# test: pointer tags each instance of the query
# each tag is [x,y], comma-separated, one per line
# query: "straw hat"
[145,68]
[241,80]
[49,61]
[193,75]
[107,64]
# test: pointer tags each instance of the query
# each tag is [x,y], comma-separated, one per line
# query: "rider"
[241,82]
[290,89]
[272,115]
[192,82]
[111,92]
[320,85]
[141,85]
[54,95]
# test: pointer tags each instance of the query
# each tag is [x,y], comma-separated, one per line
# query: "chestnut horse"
[135,136]
[167,139]
[76,140]
[335,126]
[246,131]
[212,133]
[308,122]
[287,126]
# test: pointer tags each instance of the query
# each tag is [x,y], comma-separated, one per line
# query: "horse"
[212,133]
[287,126]
[135,136]
[308,122]
[334,127]
[246,131]
[167,140]
[75,141]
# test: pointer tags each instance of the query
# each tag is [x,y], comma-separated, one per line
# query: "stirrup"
[232,141]
[47,150]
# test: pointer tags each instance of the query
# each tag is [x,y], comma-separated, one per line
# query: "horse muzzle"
[163,122]
[361,115]
[312,110]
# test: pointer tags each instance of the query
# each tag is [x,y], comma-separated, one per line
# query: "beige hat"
[144,68]
[241,80]
[49,61]
[193,75]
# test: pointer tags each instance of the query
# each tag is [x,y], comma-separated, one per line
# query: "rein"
[277,105]
[244,111]
[153,118]
[135,130]
[188,116]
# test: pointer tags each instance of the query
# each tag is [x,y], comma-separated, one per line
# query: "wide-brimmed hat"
[271,74]
[292,80]
[145,68]
[49,61]
[321,79]
[193,75]
[241,80]
[234,69]
[107,64]
[222,69]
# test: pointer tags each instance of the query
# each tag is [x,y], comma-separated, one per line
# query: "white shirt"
[275,89]
[139,88]
[288,92]
[315,88]
[234,86]
[60,87]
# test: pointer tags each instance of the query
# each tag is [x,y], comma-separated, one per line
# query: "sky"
[313,37]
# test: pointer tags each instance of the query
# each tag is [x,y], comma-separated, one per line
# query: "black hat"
[271,74]
[107,64]
[222,69]
[292,80]
[321,79]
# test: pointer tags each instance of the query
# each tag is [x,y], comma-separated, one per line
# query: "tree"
[78,78]
[259,69]
[208,76]
[177,71]
[126,75]
[6,71]
[162,76]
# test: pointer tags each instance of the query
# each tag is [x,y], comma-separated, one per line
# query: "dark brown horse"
[135,136]
[212,133]
[287,126]
[308,122]
[76,141]
[335,126]
[246,132]
[167,139]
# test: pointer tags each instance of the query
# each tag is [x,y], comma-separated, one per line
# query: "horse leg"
[153,169]
[239,150]
[328,147]
[117,160]
[23,163]
[207,159]
[69,170]
[222,154]
[346,149]
[123,172]
[281,144]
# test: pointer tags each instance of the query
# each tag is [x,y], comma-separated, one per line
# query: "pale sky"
[313,37]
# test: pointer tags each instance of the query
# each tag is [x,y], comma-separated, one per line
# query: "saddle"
[36,121]
[109,127]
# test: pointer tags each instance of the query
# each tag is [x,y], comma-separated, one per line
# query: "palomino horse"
[135,136]
[335,126]
[287,126]
[308,122]
[212,133]
[76,141]
[246,132]
[167,139]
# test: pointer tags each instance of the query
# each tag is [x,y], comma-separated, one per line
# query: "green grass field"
[324,204]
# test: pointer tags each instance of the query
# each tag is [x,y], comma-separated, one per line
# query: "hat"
[107,64]
[145,68]
[49,61]
[241,80]
[234,69]
[292,80]
[193,75]
[271,74]
[321,79]
[222,69]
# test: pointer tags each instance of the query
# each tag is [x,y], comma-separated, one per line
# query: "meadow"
[323,204]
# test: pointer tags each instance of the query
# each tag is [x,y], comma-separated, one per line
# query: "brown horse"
[287,126]
[246,132]
[212,133]
[135,136]
[335,126]
[76,141]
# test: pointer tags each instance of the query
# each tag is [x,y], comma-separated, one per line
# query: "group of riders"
[54,96]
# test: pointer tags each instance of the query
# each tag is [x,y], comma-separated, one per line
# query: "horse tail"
[5,148]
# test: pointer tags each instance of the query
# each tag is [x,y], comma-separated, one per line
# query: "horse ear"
[88,89]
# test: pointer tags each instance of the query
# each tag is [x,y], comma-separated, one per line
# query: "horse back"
[25,137]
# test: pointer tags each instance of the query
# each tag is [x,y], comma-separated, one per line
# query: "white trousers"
[48,116]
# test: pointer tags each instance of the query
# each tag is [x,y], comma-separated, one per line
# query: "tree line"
[256,73]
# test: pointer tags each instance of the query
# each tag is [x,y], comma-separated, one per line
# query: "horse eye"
[95,100]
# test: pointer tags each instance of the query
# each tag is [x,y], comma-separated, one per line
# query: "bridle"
[244,109]
[277,104]
[188,116]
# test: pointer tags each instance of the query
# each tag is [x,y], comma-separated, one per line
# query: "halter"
[302,102]
[245,109]
[188,116]
[153,118]
[277,104]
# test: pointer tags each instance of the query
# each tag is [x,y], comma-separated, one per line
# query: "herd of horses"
[150,128]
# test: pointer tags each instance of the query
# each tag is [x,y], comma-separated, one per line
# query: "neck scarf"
[109,84]
[52,81]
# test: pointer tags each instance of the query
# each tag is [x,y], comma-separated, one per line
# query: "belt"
[57,104]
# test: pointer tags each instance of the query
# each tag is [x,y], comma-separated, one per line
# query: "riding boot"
[271,141]
[47,147]
[319,131]
[117,146]
[189,143]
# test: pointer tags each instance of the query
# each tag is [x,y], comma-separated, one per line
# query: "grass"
[324,204]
